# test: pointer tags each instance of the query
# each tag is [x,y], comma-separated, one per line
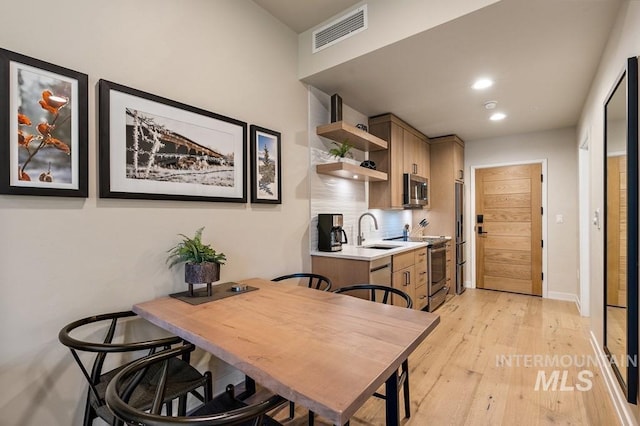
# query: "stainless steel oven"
[437,275]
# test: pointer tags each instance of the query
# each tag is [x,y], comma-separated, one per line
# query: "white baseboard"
[617,397]
[578,304]
[560,295]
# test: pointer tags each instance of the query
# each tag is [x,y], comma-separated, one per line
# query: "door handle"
[480,231]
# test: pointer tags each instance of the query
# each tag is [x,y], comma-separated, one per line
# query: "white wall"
[558,147]
[62,259]
[388,22]
[624,42]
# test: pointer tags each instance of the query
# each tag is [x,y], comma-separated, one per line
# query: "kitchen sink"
[380,247]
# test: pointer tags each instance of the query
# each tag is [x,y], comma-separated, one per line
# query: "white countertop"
[363,253]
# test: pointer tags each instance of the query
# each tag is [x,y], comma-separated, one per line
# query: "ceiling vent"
[341,28]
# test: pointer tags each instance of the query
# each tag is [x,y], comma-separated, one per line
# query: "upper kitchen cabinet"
[447,165]
[447,154]
[416,153]
[408,152]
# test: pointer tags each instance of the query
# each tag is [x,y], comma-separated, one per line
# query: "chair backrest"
[106,346]
[374,291]
[319,282]
[124,383]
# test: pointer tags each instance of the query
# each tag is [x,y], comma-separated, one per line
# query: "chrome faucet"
[375,223]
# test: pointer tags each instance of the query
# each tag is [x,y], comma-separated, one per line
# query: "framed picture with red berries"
[44,128]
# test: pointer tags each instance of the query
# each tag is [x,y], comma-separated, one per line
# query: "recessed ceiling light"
[482,83]
[497,116]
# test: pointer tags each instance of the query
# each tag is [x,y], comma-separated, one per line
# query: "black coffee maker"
[331,236]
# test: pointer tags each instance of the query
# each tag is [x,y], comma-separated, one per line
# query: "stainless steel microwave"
[415,191]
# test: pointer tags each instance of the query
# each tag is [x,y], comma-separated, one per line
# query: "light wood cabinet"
[421,298]
[403,279]
[415,154]
[458,159]
[410,275]
[343,272]
[447,166]
[408,152]
[450,268]
[408,272]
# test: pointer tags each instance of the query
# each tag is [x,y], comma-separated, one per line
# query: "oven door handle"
[438,250]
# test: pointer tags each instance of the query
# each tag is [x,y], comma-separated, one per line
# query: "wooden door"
[509,228]
[617,231]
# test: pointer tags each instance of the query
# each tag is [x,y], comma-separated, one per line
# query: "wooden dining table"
[328,352]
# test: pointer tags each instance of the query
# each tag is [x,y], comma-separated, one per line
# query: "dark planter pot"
[201,273]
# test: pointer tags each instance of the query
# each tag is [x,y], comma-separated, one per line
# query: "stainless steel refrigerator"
[460,242]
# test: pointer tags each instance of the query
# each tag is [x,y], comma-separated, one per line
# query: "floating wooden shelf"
[359,139]
[351,171]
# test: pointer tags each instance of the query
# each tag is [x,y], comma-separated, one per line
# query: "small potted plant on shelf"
[341,150]
[202,262]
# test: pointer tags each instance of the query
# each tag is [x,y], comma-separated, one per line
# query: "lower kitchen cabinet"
[410,275]
[406,271]
[450,284]
[403,277]
[421,298]
[344,272]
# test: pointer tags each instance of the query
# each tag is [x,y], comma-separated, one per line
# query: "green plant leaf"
[192,250]
[341,150]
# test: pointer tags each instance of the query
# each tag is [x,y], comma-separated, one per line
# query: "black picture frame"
[156,148]
[266,170]
[44,128]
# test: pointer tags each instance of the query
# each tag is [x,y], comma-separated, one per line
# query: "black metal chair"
[375,291]
[384,294]
[319,282]
[222,410]
[182,379]
[316,281]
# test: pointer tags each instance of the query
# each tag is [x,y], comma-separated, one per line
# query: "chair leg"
[312,418]
[407,398]
[292,409]
[208,387]
[89,412]
[182,405]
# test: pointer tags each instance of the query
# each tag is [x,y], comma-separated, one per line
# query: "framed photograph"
[155,148]
[265,166]
[44,128]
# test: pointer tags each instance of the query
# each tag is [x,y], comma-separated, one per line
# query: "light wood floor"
[456,378]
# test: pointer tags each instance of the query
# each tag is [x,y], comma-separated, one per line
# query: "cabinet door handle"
[407,278]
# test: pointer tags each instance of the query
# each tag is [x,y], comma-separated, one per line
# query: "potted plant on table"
[202,262]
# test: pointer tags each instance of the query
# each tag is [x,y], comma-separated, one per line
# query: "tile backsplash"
[347,197]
